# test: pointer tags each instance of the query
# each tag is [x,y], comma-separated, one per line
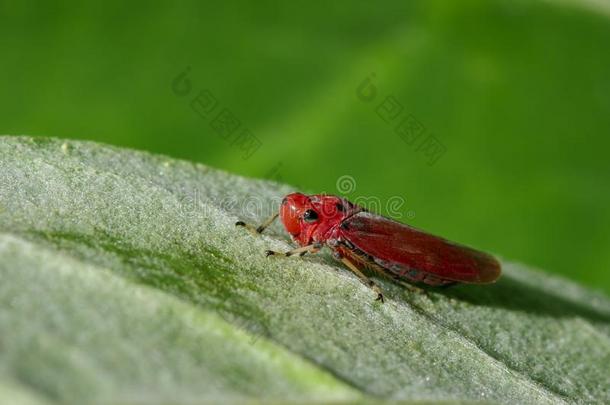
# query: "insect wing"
[401,249]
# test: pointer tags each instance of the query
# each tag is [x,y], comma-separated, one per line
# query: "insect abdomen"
[399,271]
[392,270]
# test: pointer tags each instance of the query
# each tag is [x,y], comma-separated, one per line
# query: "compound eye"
[310,216]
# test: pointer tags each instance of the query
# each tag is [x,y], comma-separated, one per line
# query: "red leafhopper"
[366,241]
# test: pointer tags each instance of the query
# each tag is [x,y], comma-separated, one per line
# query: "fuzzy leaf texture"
[125,280]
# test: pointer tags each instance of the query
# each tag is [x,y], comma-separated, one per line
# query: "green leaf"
[124,279]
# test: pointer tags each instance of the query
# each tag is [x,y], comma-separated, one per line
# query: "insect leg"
[313,248]
[365,280]
[410,287]
[259,229]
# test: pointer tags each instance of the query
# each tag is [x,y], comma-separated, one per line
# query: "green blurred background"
[517,92]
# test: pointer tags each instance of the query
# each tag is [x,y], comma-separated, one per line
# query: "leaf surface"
[125,279]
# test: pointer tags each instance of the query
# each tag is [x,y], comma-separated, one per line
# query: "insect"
[366,242]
